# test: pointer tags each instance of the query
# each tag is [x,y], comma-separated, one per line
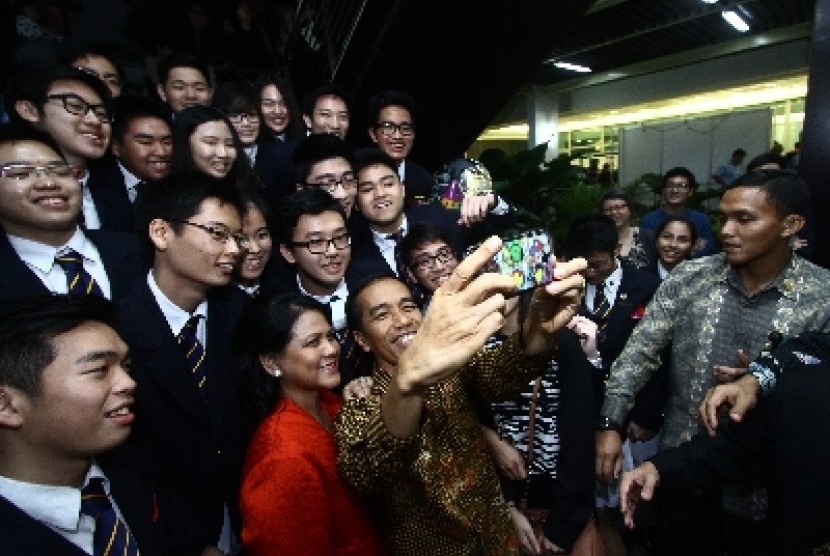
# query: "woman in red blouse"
[293,500]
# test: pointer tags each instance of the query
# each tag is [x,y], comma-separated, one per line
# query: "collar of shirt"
[338,306]
[130,181]
[662,271]
[387,245]
[56,506]
[251,152]
[785,282]
[42,256]
[612,285]
[250,290]
[175,316]
[402,170]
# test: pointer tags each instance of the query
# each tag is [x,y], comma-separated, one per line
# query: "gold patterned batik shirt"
[437,492]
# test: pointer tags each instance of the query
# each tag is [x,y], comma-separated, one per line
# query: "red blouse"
[293,500]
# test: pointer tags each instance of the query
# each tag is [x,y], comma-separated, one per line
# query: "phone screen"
[527,259]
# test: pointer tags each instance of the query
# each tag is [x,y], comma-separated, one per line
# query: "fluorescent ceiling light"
[572,67]
[710,1]
[735,20]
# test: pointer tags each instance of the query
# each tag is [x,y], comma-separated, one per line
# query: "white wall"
[700,144]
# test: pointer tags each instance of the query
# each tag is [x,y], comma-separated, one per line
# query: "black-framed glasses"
[251,117]
[678,185]
[425,261]
[330,183]
[26,172]
[388,129]
[108,78]
[77,106]
[321,245]
[218,233]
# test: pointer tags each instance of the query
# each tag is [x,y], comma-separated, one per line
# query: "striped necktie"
[111,535]
[194,352]
[601,311]
[78,280]
[401,270]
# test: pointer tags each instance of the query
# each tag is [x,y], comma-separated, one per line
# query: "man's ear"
[27,110]
[791,225]
[160,232]
[373,134]
[361,340]
[160,92]
[287,254]
[12,401]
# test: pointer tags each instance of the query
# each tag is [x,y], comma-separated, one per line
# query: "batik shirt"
[437,492]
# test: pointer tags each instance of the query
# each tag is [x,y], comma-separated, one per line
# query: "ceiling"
[618,33]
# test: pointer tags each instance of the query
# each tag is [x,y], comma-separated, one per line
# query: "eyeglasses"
[77,106]
[108,78]
[251,117]
[615,208]
[218,233]
[425,261]
[321,245]
[388,129]
[26,172]
[678,185]
[330,183]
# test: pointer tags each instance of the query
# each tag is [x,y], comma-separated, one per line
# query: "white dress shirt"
[177,317]
[612,285]
[387,246]
[91,219]
[336,301]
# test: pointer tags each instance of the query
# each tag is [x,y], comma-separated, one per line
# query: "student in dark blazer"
[178,321]
[382,214]
[65,412]
[142,144]
[39,204]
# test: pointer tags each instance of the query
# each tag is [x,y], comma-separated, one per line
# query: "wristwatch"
[608,424]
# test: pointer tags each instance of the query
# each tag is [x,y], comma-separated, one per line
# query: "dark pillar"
[814,163]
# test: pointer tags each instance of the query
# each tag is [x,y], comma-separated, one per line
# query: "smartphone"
[527,258]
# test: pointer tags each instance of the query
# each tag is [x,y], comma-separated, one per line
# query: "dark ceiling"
[620,33]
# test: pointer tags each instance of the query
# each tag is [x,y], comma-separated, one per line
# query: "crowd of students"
[295,348]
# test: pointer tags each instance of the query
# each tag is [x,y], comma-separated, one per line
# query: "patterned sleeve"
[640,358]
[500,372]
[367,453]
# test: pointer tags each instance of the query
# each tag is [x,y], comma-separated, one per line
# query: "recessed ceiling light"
[735,20]
[710,1]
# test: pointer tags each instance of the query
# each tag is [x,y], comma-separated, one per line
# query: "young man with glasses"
[75,109]
[42,248]
[178,321]
[315,241]
[678,185]
[429,257]
[325,161]
[392,129]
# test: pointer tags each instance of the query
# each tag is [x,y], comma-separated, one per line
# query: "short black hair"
[28,326]
[329,89]
[178,197]
[18,132]
[310,200]
[738,152]
[766,158]
[185,124]
[682,172]
[182,60]
[33,86]
[374,157]
[353,317]
[90,48]
[265,328]
[613,196]
[316,148]
[787,192]
[133,107]
[235,97]
[390,98]
[683,220]
[420,234]
[591,234]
